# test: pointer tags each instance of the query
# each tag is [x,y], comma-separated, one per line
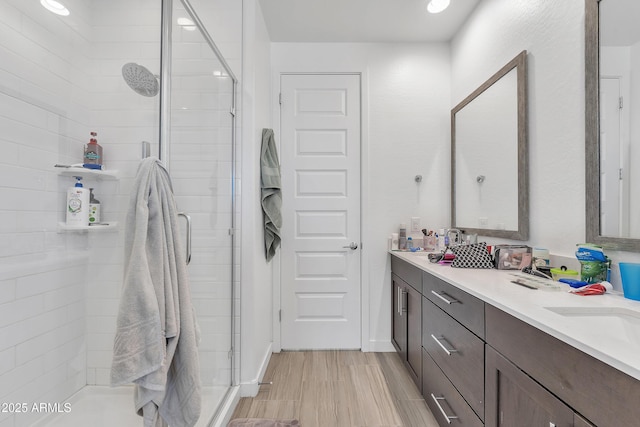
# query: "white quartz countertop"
[606,337]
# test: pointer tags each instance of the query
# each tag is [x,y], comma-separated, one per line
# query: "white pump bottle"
[78,205]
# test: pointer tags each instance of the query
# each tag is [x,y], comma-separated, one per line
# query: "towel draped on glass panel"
[156,337]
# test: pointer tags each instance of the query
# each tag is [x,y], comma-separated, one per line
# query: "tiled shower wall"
[44,115]
[123,31]
[59,79]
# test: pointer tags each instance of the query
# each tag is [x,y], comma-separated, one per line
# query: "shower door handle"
[188,218]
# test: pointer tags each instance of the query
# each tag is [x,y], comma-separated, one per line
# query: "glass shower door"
[200,160]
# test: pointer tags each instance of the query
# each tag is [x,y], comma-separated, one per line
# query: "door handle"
[188,218]
[353,246]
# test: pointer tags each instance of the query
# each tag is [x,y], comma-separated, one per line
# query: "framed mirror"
[489,156]
[612,133]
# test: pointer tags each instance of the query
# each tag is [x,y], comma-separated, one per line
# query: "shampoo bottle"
[78,205]
[94,208]
[93,153]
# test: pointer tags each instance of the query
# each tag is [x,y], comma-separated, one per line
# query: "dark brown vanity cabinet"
[407,316]
[478,366]
[453,359]
[530,373]
[514,399]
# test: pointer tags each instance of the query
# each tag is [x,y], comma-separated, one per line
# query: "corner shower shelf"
[107,227]
[89,173]
[98,175]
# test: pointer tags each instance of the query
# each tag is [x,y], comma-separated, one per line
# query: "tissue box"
[512,257]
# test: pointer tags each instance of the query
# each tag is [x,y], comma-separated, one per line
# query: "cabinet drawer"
[462,306]
[407,272]
[458,353]
[442,397]
[572,375]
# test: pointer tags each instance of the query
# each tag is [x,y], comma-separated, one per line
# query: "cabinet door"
[514,399]
[578,421]
[414,335]
[399,316]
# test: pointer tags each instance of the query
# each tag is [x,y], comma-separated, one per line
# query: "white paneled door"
[320,158]
[610,166]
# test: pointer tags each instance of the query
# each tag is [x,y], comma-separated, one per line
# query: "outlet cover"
[415,224]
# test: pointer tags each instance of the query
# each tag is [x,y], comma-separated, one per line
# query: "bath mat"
[262,422]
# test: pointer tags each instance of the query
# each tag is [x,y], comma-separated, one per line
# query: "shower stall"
[62,77]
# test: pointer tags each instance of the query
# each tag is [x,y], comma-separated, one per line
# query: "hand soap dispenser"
[78,205]
[94,208]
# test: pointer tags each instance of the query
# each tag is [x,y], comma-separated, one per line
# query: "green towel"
[271,192]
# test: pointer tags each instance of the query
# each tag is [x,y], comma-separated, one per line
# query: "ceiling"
[362,20]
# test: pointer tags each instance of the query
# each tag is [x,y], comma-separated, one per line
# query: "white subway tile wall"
[59,79]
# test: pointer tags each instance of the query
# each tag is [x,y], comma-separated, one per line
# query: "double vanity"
[487,352]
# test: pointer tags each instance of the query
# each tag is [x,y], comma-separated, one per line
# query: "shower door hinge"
[232,231]
[621,103]
[230,354]
[233,111]
[280,98]
[620,174]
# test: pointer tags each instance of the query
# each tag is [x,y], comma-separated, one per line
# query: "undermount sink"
[615,322]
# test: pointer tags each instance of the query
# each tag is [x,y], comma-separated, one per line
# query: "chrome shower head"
[140,79]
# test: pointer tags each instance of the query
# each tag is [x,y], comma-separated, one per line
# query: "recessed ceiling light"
[55,7]
[187,24]
[437,6]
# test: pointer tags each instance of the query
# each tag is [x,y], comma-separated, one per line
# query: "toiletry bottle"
[78,205]
[94,208]
[402,238]
[394,241]
[409,242]
[441,239]
[93,153]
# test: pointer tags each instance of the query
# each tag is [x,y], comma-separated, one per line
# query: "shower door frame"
[164,138]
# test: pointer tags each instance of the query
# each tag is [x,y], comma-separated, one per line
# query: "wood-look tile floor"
[338,389]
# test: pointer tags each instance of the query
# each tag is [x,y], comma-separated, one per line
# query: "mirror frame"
[522,233]
[592,135]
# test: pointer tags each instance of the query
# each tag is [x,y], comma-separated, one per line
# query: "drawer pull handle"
[448,301]
[446,350]
[404,301]
[446,417]
[401,299]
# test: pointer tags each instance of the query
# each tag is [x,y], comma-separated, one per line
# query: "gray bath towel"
[156,345]
[271,192]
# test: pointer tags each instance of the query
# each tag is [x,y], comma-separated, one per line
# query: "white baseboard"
[380,347]
[250,389]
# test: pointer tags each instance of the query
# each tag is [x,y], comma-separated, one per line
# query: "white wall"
[553,35]
[405,132]
[256,310]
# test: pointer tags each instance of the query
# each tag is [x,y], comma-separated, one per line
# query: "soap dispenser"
[78,205]
[94,208]
[93,153]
